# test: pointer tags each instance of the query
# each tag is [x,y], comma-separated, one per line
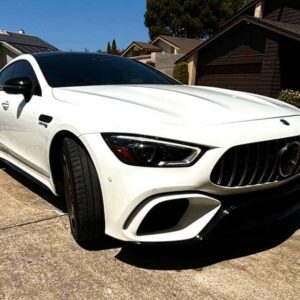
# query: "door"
[21,135]
[5,75]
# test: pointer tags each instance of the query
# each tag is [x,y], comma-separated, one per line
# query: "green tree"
[114,49]
[181,72]
[189,18]
[108,49]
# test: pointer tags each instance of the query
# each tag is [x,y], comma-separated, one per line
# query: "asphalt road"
[40,260]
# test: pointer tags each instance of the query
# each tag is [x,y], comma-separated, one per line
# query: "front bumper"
[130,192]
[254,209]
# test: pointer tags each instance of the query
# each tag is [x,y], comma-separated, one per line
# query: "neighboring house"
[14,44]
[163,51]
[140,49]
[257,51]
[175,45]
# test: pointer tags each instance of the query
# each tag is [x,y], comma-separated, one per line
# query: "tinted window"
[6,74]
[24,69]
[61,70]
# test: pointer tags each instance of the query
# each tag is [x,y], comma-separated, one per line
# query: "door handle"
[5,105]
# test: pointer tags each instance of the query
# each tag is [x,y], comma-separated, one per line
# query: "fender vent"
[256,163]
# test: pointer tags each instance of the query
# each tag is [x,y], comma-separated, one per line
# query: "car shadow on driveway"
[213,250]
[195,255]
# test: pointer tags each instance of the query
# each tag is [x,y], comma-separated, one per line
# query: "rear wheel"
[82,192]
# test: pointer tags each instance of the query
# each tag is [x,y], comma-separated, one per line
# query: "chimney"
[22,31]
[2,31]
[259,10]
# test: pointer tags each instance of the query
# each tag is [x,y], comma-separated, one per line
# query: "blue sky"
[77,24]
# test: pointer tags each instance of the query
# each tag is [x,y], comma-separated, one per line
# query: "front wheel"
[82,192]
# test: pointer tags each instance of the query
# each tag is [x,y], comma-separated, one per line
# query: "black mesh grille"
[252,164]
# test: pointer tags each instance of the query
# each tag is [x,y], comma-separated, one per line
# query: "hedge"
[291,97]
[181,72]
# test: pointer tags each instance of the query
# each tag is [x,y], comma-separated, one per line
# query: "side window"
[24,69]
[6,74]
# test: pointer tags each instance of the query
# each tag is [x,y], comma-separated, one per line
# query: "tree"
[108,49]
[114,49]
[181,72]
[189,18]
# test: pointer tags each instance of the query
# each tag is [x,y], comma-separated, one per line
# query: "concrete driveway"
[40,260]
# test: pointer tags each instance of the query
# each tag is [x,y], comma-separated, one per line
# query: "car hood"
[177,104]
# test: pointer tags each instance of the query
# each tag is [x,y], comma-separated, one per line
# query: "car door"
[5,75]
[21,133]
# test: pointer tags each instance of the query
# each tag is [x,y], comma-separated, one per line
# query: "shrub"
[291,97]
[181,72]
[150,63]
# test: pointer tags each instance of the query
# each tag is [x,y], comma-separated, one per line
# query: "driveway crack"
[32,222]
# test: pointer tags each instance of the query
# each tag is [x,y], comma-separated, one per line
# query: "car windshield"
[64,70]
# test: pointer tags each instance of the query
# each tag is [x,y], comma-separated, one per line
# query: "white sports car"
[139,156]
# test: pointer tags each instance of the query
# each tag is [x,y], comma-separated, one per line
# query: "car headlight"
[148,152]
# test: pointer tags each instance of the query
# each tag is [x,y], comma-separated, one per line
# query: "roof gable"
[289,30]
[142,46]
[182,44]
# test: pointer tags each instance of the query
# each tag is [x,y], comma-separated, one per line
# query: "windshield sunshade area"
[65,70]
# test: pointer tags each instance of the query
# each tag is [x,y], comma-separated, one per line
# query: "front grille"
[253,164]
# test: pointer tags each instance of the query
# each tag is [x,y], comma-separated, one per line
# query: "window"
[24,69]
[62,70]
[6,74]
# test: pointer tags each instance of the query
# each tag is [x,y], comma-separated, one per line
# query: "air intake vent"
[258,163]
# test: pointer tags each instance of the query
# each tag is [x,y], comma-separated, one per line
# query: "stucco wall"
[165,62]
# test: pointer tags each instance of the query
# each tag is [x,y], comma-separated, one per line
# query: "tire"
[82,192]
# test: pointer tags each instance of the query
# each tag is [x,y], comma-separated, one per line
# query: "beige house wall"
[192,68]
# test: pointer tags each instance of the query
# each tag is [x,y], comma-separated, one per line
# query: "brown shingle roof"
[184,44]
[147,46]
[293,28]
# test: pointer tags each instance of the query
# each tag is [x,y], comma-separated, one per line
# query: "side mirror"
[21,85]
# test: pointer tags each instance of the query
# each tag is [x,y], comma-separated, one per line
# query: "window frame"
[38,87]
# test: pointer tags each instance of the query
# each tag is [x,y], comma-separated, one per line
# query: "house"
[163,51]
[13,44]
[140,49]
[175,45]
[256,51]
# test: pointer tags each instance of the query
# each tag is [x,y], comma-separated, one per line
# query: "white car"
[139,156]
